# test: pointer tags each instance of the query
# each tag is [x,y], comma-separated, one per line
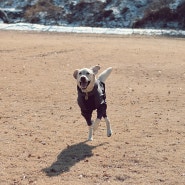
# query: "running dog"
[92,96]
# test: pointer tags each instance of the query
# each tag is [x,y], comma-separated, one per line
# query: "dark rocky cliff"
[105,13]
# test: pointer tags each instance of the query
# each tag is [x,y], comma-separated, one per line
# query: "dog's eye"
[80,73]
[87,73]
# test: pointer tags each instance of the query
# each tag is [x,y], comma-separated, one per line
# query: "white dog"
[91,96]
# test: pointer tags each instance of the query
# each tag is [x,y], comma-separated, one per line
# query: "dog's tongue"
[83,85]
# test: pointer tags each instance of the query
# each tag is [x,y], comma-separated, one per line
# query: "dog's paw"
[109,133]
[90,139]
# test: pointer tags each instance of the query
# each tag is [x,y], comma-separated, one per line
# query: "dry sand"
[42,134]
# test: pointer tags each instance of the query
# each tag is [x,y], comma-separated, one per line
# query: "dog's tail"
[104,75]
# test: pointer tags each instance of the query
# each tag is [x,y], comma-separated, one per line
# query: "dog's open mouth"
[84,85]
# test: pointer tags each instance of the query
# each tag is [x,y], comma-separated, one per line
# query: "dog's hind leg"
[109,130]
[96,124]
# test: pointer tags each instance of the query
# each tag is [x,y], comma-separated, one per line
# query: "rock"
[4,16]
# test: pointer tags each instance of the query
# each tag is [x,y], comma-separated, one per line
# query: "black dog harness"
[96,99]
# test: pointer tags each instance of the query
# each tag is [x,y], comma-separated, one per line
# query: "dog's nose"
[83,79]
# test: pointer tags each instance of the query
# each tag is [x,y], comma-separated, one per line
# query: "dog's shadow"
[71,155]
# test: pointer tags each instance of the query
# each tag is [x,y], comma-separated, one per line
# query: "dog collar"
[86,96]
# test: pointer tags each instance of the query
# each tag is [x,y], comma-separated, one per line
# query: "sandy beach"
[43,137]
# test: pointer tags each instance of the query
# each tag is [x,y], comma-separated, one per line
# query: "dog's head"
[86,78]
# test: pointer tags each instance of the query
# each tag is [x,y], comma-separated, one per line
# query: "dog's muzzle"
[84,83]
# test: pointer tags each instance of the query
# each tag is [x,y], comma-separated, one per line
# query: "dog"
[92,96]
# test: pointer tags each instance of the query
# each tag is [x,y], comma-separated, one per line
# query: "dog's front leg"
[90,138]
[109,130]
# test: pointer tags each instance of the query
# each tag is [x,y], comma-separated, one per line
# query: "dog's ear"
[75,73]
[95,69]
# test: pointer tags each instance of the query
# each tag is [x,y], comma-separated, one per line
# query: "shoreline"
[91,30]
